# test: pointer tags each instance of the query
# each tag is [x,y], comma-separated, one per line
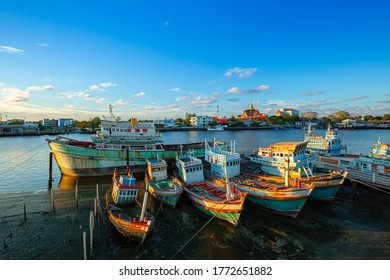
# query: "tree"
[309,115]
[386,117]
[94,122]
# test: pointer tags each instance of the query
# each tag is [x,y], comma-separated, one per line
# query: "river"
[352,227]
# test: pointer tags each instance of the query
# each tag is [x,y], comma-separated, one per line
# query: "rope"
[23,162]
[160,206]
[193,236]
[18,156]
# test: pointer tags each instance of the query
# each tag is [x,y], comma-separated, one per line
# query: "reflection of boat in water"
[119,144]
[68,183]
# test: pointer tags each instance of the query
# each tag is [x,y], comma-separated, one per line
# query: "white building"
[289,112]
[50,122]
[201,120]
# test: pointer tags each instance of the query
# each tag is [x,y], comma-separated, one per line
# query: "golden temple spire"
[251,107]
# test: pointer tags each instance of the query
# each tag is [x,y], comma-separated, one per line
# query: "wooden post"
[354,188]
[91,227]
[97,192]
[50,179]
[94,208]
[24,208]
[127,159]
[85,244]
[52,200]
[77,195]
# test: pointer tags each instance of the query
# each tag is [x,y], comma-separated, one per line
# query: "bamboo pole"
[91,227]
[52,199]
[77,194]
[24,208]
[85,244]
[50,179]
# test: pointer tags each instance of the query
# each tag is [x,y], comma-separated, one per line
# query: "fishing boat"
[218,127]
[136,227]
[118,144]
[280,159]
[328,146]
[271,196]
[124,188]
[372,169]
[160,185]
[225,204]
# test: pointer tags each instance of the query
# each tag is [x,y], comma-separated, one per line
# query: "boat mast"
[144,203]
[229,194]
[287,171]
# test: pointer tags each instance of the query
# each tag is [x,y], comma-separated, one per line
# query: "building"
[50,123]
[251,114]
[65,122]
[288,112]
[201,120]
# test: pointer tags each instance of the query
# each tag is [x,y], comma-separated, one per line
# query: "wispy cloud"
[182,98]
[15,95]
[311,93]
[233,99]
[175,89]
[8,49]
[140,94]
[37,88]
[85,95]
[240,72]
[202,100]
[122,102]
[236,90]
[42,44]
[102,86]
[387,94]
[383,101]
[360,97]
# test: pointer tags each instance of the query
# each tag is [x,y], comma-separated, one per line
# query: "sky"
[163,59]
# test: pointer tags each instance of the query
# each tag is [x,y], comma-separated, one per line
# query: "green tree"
[94,122]
[386,117]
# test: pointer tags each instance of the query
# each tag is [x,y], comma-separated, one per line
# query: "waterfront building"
[50,122]
[201,120]
[288,112]
[65,122]
[251,114]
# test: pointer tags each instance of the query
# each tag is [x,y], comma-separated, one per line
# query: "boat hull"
[221,211]
[136,231]
[286,203]
[169,197]
[89,161]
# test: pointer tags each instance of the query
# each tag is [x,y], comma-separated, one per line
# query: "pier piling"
[85,244]
[24,208]
[91,228]
[354,188]
[77,195]
[52,200]
[50,179]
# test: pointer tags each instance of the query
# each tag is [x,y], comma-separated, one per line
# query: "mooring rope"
[174,255]
[23,162]
[18,156]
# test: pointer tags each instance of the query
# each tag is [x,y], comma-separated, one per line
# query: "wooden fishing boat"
[137,227]
[162,187]
[124,188]
[275,197]
[225,204]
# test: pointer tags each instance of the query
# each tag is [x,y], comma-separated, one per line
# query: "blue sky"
[161,59]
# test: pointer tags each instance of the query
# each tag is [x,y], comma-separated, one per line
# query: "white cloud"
[37,88]
[182,98]
[175,89]
[15,95]
[122,102]
[236,90]
[360,97]
[7,49]
[197,100]
[240,72]
[101,86]
[42,44]
[140,94]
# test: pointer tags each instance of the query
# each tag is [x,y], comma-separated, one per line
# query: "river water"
[352,227]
